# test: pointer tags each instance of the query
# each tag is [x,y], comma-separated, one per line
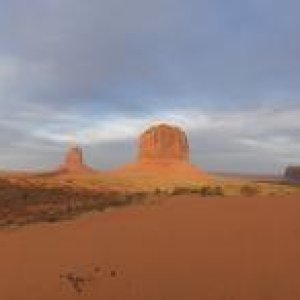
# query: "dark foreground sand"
[183,248]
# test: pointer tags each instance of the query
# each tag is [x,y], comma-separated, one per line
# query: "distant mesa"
[163,151]
[74,162]
[292,174]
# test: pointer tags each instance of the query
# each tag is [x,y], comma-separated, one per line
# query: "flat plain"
[178,247]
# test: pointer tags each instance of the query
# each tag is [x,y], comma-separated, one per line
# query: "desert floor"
[182,247]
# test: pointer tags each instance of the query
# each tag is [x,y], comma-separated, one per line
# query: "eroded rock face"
[163,156]
[74,161]
[163,142]
[292,174]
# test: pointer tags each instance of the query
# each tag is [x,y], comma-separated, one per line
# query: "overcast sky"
[98,72]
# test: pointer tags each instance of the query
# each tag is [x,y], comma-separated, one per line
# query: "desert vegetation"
[31,203]
[32,199]
[204,190]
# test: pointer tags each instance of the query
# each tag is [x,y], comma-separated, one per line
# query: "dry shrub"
[249,190]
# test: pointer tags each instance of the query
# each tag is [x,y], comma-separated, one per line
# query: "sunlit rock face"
[74,161]
[163,155]
[292,174]
[163,142]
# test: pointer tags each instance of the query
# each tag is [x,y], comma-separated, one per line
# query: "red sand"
[183,248]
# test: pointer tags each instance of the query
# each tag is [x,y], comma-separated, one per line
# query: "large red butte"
[163,142]
[163,152]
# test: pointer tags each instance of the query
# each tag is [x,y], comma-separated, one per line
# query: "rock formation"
[292,174]
[163,153]
[74,161]
[163,142]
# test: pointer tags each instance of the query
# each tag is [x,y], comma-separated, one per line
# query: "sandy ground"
[182,248]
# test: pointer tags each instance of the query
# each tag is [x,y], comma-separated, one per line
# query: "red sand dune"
[183,248]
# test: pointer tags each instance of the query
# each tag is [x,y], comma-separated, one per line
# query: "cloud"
[229,140]
[101,71]
[261,140]
[146,54]
[260,122]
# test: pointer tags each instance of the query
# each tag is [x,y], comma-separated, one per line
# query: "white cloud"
[250,128]
[263,139]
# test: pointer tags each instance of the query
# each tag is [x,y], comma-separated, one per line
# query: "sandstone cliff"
[163,153]
[163,142]
[74,162]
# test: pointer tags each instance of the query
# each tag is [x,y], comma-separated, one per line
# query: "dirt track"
[183,248]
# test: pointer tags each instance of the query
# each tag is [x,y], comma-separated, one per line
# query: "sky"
[99,72]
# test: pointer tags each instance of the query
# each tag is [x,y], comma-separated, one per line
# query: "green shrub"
[219,191]
[180,191]
[249,190]
[205,191]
